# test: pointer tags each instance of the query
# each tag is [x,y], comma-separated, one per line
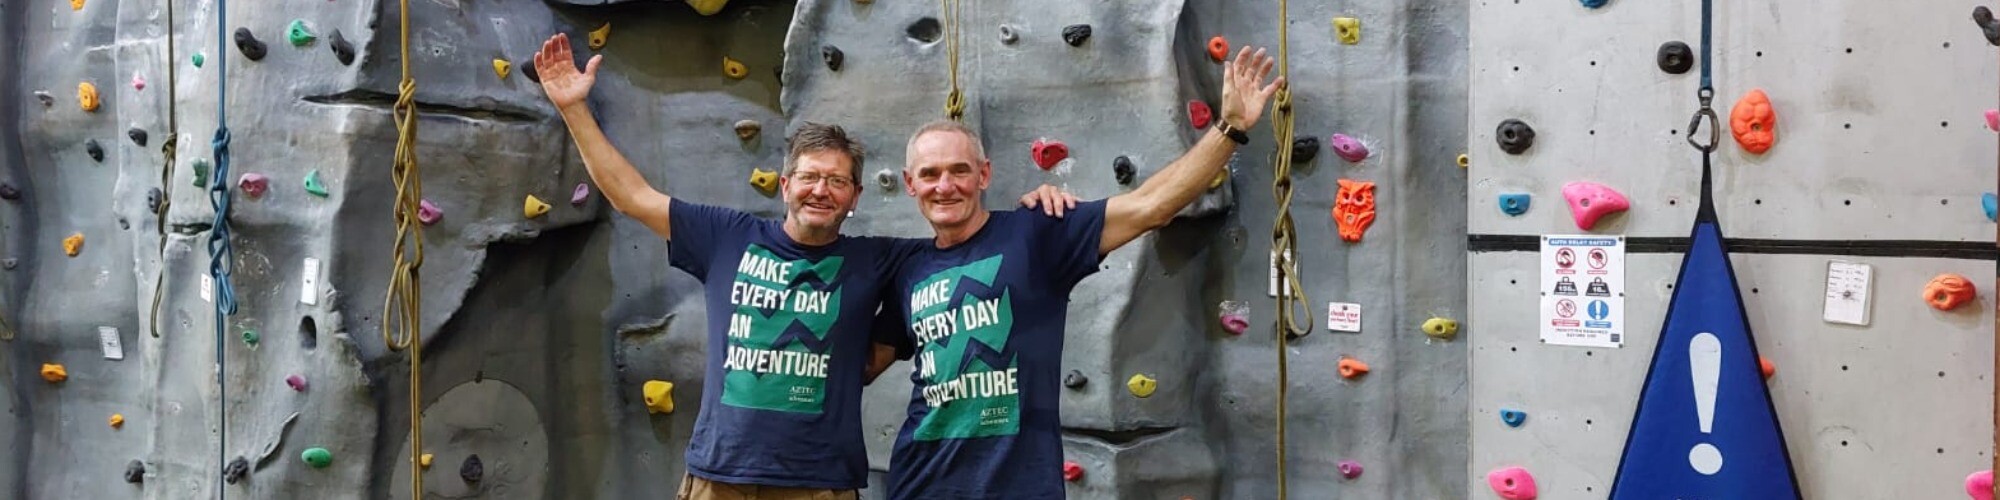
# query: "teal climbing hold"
[200,173]
[1514,203]
[1992,205]
[1513,418]
[318,458]
[1594,3]
[198,59]
[314,186]
[250,337]
[298,33]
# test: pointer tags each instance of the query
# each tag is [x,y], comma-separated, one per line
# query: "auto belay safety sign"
[1583,290]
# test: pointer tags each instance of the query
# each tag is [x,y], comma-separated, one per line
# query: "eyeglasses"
[835,181]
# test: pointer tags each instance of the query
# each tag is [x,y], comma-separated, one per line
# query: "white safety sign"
[1583,290]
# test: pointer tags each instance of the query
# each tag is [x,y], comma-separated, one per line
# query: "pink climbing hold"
[254,184]
[138,83]
[298,383]
[1350,469]
[1993,119]
[428,213]
[1048,153]
[1349,148]
[1512,483]
[1199,114]
[1979,485]
[582,192]
[1235,323]
[1589,201]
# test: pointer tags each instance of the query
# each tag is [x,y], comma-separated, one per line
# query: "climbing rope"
[401,316]
[1291,294]
[169,148]
[954,103]
[220,260]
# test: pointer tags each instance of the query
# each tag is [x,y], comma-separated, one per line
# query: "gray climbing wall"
[1881,158]
[539,332]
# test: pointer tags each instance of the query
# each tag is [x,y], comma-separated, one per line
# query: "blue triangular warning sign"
[1705,428]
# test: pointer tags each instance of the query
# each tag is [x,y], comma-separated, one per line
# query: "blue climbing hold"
[1513,418]
[1514,203]
[1594,3]
[1992,205]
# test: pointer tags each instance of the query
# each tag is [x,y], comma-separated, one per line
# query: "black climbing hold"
[528,70]
[46,98]
[138,136]
[124,224]
[471,471]
[153,198]
[926,30]
[251,48]
[1304,149]
[832,56]
[1676,57]
[1075,34]
[135,472]
[1122,168]
[95,151]
[1984,17]
[342,49]
[1515,136]
[235,470]
[1074,379]
[9,192]
[1007,35]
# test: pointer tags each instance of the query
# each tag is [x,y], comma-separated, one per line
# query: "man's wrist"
[1235,134]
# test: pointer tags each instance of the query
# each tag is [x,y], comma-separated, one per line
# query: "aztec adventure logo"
[964,366]
[778,348]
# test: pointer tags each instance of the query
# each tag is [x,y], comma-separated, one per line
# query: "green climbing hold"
[318,458]
[200,173]
[198,59]
[250,337]
[314,186]
[299,34]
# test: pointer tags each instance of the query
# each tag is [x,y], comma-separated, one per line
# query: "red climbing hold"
[1218,48]
[1072,471]
[1948,291]
[297,382]
[1199,114]
[254,184]
[1048,152]
[1764,364]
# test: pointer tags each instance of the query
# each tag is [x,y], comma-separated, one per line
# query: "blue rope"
[219,256]
[1707,8]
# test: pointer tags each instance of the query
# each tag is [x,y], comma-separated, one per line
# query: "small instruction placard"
[1343,317]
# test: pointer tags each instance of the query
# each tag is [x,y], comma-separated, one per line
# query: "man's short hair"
[817,137]
[944,125]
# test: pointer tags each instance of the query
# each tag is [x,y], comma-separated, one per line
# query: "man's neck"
[952,236]
[807,236]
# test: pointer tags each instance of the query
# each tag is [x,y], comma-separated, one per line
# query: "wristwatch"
[1234,134]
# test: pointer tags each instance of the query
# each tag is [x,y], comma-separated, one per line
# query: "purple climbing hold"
[428,213]
[580,194]
[1349,148]
[297,382]
[9,192]
[1350,469]
[253,184]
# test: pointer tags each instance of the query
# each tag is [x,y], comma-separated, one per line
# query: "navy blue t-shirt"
[788,333]
[982,323]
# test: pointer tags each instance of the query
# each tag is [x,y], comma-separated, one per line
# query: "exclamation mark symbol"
[1705,365]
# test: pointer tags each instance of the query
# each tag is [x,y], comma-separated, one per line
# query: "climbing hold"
[1347,29]
[1594,3]
[198,59]
[318,458]
[1199,114]
[1764,365]
[1753,122]
[425,460]
[1464,160]
[1984,18]
[86,96]
[1122,170]
[600,36]
[471,470]
[747,129]
[533,207]
[886,179]
[1675,57]
[73,244]
[1074,379]
[529,71]
[1979,485]
[1072,471]
[1048,152]
[1993,119]
[1349,148]
[1218,48]
[1007,35]
[9,192]
[1991,204]
[659,396]
[47,100]
[1354,208]
[75,5]
[200,173]
[1075,34]
[1512,483]
[832,56]
[1350,469]
[707,7]
[1441,328]
[1948,291]
[96,152]
[1351,368]
[249,45]
[428,213]
[54,372]
[1515,203]
[135,472]
[235,470]
[253,184]
[343,50]
[765,180]
[1235,316]
[250,337]
[1513,418]
[313,184]
[117,421]
[138,136]
[1589,200]
[298,34]
[733,68]
[1304,149]
[500,67]
[138,82]
[1141,385]
[1515,136]
[580,194]
[8,263]
[297,382]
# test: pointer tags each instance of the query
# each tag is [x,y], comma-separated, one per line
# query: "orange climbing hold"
[73,244]
[117,421]
[1354,208]
[1948,291]
[75,5]
[1765,365]
[1218,48]
[1350,368]
[54,372]
[86,96]
[1753,122]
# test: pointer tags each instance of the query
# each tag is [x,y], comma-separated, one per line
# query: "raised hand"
[1243,92]
[560,79]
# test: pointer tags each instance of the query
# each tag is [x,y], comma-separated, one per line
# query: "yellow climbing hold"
[1348,29]
[765,180]
[1464,161]
[1440,328]
[75,5]
[534,207]
[1217,181]
[117,421]
[424,461]
[734,68]
[73,244]
[86,96]
[707,7]
[600,36]
[54,372]
[659,396]
[500,67]
[1141,385]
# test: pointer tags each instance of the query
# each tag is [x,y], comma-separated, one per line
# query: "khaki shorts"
[696,488]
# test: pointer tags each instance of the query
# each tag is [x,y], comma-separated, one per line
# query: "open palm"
[560,79]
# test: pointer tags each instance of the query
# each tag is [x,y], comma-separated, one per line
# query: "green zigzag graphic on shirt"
[969,366]
[793,376]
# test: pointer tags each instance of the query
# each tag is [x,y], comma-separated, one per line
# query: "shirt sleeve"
[1070,242]
[696,232]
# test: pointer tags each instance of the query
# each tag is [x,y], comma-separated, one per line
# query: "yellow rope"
[1292,295]
[402,328]
[954,103]
[166,173]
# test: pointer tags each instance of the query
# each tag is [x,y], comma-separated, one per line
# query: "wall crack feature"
[1124,439]
[647,328]
[491,111]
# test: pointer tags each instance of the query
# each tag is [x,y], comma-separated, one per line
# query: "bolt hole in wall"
[308,333]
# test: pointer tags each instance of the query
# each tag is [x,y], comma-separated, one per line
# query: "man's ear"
[909,187]
[985,174]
